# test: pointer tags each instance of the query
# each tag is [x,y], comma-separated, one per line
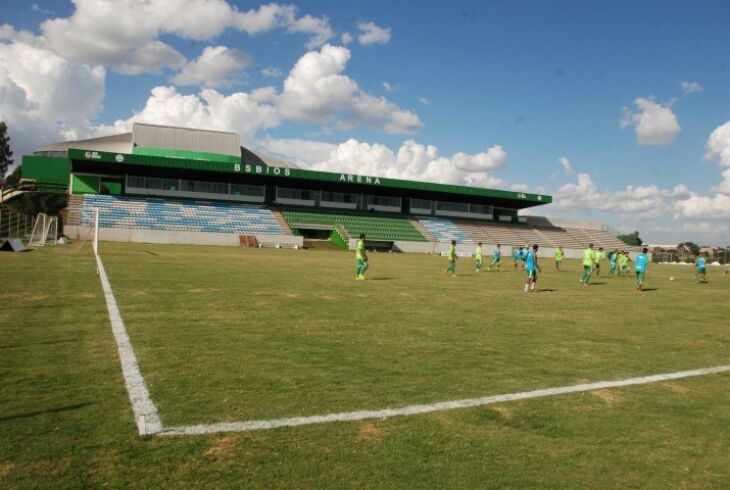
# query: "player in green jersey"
[559,256]
[361,259]
[451,267]
[478,256]
[598,257]
[588,262]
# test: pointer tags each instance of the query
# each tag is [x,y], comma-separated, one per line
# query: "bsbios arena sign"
[260,169]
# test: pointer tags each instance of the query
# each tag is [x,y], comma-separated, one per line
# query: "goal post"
[45,231]
[95,232]
[39,233]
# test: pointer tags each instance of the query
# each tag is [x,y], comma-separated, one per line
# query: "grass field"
[226,335]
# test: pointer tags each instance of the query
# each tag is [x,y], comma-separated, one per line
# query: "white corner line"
[145,411]
[420,409]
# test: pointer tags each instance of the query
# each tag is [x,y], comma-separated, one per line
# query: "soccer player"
[532,268]
[599,256]
[588,262]
[478,255]
[496,258]
[559,256]
[523,257]
[623,262]
[640,266]
[451,268]
[612,262]
[361,259]
[516,256]
[701,273]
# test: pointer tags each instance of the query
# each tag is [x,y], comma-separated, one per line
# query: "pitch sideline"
[149,423]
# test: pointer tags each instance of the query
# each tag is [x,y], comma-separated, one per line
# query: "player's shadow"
[649,289]
[48,411]
[380,279]
[597,284]
[48,342]
[544,291]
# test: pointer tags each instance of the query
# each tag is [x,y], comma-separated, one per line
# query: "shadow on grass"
[380,278]
[649,289]
[48,342]
[597,283]
[544,291]
[65,408]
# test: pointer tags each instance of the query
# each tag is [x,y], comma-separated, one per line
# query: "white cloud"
[316,90]
[216,66]
[346,38]
[319,28]
[390,88]
[271,72]
[44,97]
[635,201]
[703,207]
[655,124]
[372,34]
[125,34]
[412,161]
[718,149]
[244,113]
[424,101]
[37,8]
[718,145]
[690,87]
[567,166]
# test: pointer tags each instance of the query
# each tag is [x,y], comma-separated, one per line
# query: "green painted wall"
[185,154]
[114,187]
[46,169]
[85,184]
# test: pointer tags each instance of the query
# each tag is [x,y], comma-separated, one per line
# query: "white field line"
[145,412]
[419,409]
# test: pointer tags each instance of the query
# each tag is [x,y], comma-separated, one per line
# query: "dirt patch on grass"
[609,397]
[505,414]
[676,388]
[367,431]
[6,469]
[222,448]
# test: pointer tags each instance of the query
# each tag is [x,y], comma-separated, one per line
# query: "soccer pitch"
[225,335]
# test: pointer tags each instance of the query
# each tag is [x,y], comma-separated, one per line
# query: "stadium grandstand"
[164,184]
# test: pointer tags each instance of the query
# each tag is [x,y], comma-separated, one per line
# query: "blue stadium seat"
[178,215]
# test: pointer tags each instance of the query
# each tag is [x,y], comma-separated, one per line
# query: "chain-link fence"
[14,224]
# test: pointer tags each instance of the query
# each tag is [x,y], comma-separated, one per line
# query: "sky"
[618,109]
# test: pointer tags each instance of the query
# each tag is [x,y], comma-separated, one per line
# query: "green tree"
[6,154]
[692,247]
[14,177]
[631,239]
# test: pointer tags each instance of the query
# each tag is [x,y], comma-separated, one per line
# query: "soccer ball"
[671,278]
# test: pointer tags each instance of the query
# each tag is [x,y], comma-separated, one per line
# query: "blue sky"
[632,97]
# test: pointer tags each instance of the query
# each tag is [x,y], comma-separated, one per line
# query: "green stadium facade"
[180,185]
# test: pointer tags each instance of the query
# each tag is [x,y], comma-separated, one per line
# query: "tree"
[631,239]
[692,247]
[14,177]
[6,155]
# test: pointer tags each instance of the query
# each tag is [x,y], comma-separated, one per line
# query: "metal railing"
[9,192]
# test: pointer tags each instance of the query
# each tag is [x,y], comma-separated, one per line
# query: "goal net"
[45,231]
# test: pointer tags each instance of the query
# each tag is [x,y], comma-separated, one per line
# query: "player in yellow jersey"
[361,259]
